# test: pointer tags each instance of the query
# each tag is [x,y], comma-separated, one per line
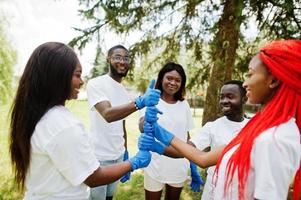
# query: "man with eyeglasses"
[109,104]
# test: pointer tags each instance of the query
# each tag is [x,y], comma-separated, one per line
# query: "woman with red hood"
[262,161]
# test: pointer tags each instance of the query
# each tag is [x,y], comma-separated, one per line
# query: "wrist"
[139,103]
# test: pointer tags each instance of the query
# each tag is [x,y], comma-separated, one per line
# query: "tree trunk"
[223,51]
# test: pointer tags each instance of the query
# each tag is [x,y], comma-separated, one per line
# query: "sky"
[29,23]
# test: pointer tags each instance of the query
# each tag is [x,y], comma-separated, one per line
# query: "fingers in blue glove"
[145,142]
[148,128]
[196,179]
[151,114]
[140,160]
[150,98]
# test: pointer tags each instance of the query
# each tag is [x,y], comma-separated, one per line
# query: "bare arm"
[202,159]
[108,174]
[111,114]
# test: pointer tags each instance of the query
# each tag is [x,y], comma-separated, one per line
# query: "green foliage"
[281,18]
[201,28]
[7,61]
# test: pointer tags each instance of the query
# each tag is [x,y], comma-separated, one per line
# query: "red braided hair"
[283,59]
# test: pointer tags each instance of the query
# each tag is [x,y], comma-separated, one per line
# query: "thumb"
[152,84]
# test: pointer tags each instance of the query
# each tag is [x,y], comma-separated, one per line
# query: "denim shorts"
[101,192]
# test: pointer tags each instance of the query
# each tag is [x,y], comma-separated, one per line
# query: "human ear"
[274,83]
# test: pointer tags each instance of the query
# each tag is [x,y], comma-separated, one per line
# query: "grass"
[131,190]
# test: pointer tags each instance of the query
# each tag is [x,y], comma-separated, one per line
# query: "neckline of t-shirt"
[234,122]
[170,104]
[114,81]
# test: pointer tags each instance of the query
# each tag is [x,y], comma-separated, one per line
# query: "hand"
[148,128]
[150,98]
[151,114]
[145,142]
[140,160]
[127,176]
[148,143]
[162,134]
[196,179]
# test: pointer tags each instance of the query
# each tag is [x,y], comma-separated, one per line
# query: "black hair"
[242,90]
[170,66]
[115,47]
[45,83]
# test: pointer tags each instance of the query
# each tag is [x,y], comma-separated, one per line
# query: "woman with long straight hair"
[49,148]
[264,158]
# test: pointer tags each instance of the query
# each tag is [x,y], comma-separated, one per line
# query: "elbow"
[107,118]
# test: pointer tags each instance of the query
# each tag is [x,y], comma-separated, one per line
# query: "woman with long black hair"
[49,148]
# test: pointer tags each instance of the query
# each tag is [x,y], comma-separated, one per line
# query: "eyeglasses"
[120,58]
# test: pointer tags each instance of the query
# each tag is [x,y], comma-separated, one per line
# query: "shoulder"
[285,133]
[96,80]
[183,103]
[57,119]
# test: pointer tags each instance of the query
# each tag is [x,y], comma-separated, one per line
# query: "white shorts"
[153,185]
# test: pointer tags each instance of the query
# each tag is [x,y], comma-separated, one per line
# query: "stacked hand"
[127,176]
[147,142]
[140,160]
[162,134]
[196,179]
[151,114]
[150,98]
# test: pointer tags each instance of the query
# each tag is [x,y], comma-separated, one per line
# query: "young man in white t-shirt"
[224,129]
[109,104]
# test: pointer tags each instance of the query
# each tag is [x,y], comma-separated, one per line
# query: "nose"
[224,100]
[81,82]
[244,85]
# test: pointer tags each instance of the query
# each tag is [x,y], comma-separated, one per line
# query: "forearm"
[108,174]
[202,159]
[111,114]
[172,152]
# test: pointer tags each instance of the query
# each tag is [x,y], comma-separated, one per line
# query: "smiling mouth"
[226,108]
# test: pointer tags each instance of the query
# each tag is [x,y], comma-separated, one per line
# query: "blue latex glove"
[148,143]
[145,142]
[151,114]
[150,98]
[140,160]
[162,134]
[148,128]
[196,179]
[127,176]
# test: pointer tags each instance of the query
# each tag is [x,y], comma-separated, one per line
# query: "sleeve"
[71,153]
[273,163]
[95,94]
[202,138]
[190,123]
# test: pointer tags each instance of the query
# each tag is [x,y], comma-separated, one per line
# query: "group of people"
[53,157]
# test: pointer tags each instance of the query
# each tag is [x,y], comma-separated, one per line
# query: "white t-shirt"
[275,158]
[214,134]
[177,119]
[107,137]
[61,158]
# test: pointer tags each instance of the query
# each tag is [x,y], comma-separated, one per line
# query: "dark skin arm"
[108,174]
[200,158]
[111,114]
